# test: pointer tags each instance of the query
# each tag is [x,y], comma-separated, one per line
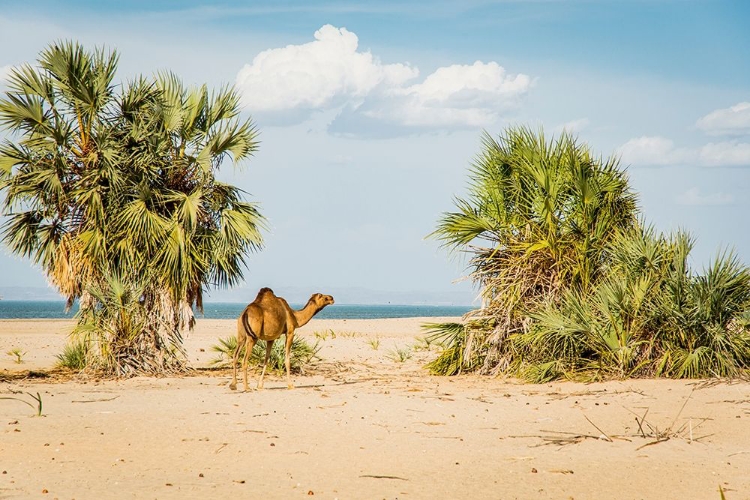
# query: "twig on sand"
[660,436]
[682,408]
[376,476]
[596,393]
[712,382]
[658,440]
[314,386]
[94,400]
[606,437]
[565,395]
[481,399]
[440,397]
[561,438]
[640,422]
[332,406]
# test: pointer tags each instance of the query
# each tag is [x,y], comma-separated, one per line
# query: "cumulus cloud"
[332,73]
[472,95]
[734,120]
[694,197]
[316,75]
[725,154]
[652,151]
[659,151]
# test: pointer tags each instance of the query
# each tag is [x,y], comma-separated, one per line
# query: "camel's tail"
[246,323]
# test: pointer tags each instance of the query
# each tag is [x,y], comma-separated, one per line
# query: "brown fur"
[267,318]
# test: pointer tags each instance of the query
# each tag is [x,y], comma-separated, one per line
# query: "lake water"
[21,309]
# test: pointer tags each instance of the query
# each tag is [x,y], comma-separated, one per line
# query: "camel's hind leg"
[241,339]
[248,349]
[269,346]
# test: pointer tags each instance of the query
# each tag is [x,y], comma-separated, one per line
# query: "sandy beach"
[360,424]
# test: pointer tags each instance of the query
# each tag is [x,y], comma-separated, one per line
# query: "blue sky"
[371,112]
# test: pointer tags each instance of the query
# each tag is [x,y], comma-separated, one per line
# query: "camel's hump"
[263,291]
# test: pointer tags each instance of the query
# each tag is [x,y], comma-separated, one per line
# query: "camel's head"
[322,300]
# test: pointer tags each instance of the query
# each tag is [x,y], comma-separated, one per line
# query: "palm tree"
[536,222]
[112,190]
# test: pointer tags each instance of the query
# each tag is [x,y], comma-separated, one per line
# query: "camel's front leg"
[287,360]
[241,338]
[269,346]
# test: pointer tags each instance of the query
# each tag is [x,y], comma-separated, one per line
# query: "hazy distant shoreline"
[55,309]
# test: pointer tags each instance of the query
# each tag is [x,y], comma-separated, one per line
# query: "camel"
[267,318]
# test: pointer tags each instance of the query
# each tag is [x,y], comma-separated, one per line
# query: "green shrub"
[302,353]
[573,285]
[73,355]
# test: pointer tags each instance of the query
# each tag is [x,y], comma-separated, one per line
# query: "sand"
[361,424]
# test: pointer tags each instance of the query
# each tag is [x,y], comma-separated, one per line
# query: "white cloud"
[316,75]
[331,73]
[652,151]
[454,96]
[659,151]
[734,120]
[694,197]
[725,154]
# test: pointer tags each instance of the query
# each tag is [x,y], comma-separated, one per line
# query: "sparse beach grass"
[18,354]
[325,334]
[399,354]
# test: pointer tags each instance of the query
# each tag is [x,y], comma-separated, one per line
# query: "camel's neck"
[304,315]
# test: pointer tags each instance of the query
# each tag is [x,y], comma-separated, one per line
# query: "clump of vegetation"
[302,353]
[573,284]
[112,190]
[649,316]
[18,354]
[74,355]
[453,339]
[374,343]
